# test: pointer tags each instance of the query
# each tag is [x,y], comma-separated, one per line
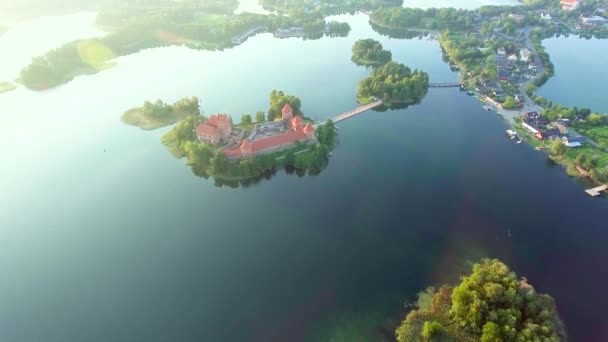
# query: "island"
[491,304]
[395,84]
[370,52]
[285,138]
[159,114]
[6,87]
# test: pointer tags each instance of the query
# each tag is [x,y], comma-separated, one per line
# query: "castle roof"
[287,109]
[206,129]
[309,128]
[297,120]
[219,120]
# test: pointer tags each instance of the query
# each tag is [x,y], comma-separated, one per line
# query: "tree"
[509,103]
[278,99]
[219,163]
[530,89]
[558,147]
[260,117]
[431,329]
[490,304]
[491,333]
[246,119]
[580,159]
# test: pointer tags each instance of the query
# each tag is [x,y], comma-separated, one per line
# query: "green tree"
[246,119]
[219,163]
[530,89]
[260,117]
[580,159]
[491,333]
[432,330]
[509,103]
[558,147]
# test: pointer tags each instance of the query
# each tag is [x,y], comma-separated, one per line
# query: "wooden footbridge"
[356,111]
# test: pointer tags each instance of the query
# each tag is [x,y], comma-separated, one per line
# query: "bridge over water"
[348,115]
[444,85]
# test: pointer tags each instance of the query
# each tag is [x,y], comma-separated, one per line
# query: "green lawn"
[590,152]
[597,133]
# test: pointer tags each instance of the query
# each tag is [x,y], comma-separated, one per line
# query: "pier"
[597,191]
[357,111]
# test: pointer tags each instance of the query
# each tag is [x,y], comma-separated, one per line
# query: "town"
[503,62]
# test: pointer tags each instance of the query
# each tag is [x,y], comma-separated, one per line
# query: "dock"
[597,190]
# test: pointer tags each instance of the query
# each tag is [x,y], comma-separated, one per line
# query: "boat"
[486,108]
[539,148]
[470,93]
[511,133]
[518,141]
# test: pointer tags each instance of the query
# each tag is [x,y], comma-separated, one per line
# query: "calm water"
[580,72]
[104,236]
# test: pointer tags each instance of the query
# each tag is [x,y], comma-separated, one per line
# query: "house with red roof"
[569,5]
[218,127]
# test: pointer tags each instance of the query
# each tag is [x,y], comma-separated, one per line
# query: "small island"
[215,147]
[6,87]
[159,114]
[489,305]
[370,52]
[395,84]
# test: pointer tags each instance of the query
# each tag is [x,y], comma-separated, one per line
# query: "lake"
[105,236]
[579,72]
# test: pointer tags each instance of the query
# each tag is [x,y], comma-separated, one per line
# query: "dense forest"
[394,83]
[370,52]
[489,305]
[432,19]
